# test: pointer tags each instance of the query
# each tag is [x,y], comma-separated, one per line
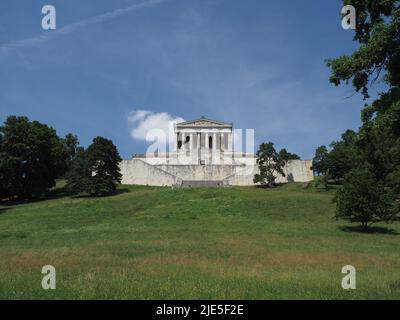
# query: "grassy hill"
[163,243]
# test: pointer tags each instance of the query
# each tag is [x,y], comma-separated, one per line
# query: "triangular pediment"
[204,122]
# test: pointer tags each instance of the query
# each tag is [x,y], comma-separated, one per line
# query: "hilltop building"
[203,155]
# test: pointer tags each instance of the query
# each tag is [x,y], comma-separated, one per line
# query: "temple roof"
[204,122]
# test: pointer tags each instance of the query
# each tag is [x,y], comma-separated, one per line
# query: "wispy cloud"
[8,47]
[148,125]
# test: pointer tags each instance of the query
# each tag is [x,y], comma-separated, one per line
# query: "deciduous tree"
[378,140]
[286,156]
[364,199]
[31,156]
[269,163]
[319,160]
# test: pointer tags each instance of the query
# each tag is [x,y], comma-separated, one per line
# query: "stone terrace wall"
[199,172]
[137,171]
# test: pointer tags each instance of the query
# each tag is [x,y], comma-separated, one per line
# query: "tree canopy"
[376,145]
[286,156]
[320,160]
[32,156]
[378,57]
[95,170]
[270,163]
[364,199]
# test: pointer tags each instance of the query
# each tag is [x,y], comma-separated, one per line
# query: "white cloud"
[148,123]
[138,115]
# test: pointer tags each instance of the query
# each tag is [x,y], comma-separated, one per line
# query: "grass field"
[163,243]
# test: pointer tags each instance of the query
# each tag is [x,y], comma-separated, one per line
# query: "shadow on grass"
[2,210]
[56,193]
[53,194]
[270,187]
[326,188]
[369,230]
[114,193]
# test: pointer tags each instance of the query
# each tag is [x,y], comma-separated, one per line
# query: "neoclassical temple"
[203,141]
[203,154]
[203,134]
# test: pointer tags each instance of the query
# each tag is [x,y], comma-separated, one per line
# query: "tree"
[71,144]
[78,177]
[363,199]
[286,156]
[3,171]
[95,170]
[269,163]
[104,159]
[376,59]
[343,156]
[319,160]
[30,158]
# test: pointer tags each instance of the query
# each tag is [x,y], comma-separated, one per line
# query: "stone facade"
[203,142]
[203,155]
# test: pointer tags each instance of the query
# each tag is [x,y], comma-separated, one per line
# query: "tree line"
[364,163]
[367,162]
[33,156]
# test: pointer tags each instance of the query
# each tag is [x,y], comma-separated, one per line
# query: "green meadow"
[217,243]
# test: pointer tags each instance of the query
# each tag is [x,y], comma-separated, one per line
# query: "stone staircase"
[203,183]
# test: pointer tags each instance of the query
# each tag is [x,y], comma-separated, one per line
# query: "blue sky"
[256,63]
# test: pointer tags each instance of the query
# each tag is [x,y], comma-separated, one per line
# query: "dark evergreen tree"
[96,170]
[79,175]
[104,160]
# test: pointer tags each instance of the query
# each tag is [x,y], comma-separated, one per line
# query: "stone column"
[222,140]
[206,149]
[183,138]
[230,141]
[198,147]
[214,141]
[198,140]
[192,136]
[215,153]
